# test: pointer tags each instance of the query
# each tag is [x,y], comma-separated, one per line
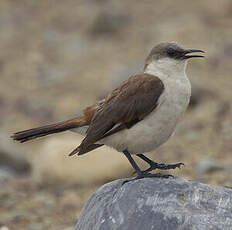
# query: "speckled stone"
[159,204]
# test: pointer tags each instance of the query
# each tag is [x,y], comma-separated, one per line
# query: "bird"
[139,115]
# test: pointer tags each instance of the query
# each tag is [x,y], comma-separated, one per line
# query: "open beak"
[190,51]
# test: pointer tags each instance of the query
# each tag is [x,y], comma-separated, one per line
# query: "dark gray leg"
[132,162]
[140,173]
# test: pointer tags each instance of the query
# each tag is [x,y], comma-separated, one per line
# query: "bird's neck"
[166,68]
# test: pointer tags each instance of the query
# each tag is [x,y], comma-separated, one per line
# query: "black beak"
[189,51]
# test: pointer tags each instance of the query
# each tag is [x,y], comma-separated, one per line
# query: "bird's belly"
[149,133]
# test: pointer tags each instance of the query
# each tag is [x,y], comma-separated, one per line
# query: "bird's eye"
[171,52]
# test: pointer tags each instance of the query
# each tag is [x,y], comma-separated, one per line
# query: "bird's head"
[170,55]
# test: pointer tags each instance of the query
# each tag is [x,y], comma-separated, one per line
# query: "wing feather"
[128,104]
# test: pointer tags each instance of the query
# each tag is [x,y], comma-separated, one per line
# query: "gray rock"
[159,204]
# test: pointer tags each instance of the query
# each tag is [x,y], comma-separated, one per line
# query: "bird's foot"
[143,174]
[155,165]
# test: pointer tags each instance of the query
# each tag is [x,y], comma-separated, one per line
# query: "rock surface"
[160,204]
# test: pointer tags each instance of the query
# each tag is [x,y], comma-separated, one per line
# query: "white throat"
[167,67]
[172,73]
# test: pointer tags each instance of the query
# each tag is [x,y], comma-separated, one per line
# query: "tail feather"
[29,134]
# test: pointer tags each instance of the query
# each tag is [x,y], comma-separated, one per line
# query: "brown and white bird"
[139,115]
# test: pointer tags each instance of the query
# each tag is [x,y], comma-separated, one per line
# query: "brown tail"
[29,134]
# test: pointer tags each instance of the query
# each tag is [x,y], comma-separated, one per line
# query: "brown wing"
[124,107]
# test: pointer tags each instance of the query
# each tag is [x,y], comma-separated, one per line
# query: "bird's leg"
[154,165]
[132,162]
[141,174]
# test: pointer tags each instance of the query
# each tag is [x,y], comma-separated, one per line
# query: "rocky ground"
[57,57]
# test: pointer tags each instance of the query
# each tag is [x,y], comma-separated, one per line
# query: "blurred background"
[56,57]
